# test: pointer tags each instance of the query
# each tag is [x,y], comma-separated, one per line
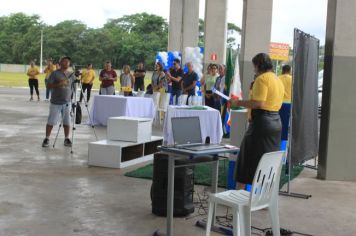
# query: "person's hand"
[235,101]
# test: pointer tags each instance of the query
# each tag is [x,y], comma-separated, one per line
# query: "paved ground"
[51,192]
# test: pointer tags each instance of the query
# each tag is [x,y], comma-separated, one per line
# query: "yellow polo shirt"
[49,70]
[33,72]
[269,89]
[287,83]
[87,76]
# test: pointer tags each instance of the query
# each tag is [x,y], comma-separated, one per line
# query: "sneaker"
[38,99]
[31,99]
[45,142]
[67,142]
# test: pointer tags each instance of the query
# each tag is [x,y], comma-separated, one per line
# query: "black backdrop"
[304,127]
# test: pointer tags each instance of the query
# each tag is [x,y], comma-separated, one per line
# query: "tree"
[231,30]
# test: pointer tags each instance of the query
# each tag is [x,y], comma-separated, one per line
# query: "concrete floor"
[52,192]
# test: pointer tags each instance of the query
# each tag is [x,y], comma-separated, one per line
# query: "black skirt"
[262,136]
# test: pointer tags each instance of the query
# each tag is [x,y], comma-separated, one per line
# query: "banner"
[279,51]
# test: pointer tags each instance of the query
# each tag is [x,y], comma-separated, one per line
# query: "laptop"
[187,134]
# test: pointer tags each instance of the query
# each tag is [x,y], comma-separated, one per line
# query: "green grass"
[13,80]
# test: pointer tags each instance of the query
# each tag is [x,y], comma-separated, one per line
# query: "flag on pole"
[228,78]
[234,89]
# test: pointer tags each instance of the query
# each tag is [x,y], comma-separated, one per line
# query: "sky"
[307,15]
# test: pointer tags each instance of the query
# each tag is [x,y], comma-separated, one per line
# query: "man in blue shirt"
[189,81]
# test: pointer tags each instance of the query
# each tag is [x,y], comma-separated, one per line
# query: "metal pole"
[41,50]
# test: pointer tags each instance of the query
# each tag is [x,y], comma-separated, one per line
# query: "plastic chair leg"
[210,218]
[235,221]
[273,211]
[245,220]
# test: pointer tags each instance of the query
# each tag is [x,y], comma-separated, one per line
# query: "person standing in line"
[208,83]
[139,75]
[61,83]
[48,71]
[127,80]
[189,81]
[175,76]
[284,112]
[264,132]
[157,77]
[220,86]
[107,77]
[87,79]
[32,74]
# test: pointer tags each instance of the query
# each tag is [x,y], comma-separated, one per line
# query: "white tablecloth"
[210,123]
[105,106]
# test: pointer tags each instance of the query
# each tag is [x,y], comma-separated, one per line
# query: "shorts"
[59,111]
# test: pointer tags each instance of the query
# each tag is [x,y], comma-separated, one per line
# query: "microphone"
[207,140]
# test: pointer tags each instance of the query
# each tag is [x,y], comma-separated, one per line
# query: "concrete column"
[183,25]
[255,37]
[215,31]
[337,159]
[175,25]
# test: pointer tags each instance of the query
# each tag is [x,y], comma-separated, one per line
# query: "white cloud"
[307,15]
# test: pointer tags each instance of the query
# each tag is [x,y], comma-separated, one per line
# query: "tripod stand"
[74,103]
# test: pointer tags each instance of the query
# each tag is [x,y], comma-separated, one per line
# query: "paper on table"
[221,94]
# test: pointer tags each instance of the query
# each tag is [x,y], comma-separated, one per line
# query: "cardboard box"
[129,129]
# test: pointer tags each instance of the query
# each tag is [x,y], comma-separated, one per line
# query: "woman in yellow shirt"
[32,74]
[264,131]
[87,78]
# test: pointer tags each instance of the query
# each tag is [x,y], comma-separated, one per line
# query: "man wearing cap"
[60,82]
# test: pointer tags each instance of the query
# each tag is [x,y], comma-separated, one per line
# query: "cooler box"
[129,129]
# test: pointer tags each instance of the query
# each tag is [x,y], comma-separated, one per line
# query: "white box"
[119,154]
[129,129]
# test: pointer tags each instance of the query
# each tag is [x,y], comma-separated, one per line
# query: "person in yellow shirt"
[286,79]
[87,78]
[32,74]
[284,112]
[264,132]
[48,71]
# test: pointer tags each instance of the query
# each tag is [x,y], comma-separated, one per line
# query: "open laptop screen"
[186,130]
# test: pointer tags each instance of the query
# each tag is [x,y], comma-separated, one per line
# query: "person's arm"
[29,73]
[190,87]
[52,83]
[115,76]
[37,72]
[101,78]
[132,80]
[259,96]
[92,78]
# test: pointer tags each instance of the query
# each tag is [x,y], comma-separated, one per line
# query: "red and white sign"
[213,57]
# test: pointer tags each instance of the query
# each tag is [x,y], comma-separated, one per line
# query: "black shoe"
[45,142]
[67,142]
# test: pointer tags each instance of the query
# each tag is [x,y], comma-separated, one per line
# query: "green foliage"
[126,40]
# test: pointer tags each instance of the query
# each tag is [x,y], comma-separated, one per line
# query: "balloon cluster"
[167,58]
[194,56]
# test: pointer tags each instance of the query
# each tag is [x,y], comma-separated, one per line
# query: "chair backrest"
[140,94]
[182,100]
[155,97]
[265,184]
[163,105]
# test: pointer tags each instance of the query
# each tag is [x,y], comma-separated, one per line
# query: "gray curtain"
[304,132]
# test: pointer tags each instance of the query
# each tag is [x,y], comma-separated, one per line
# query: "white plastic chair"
[264,194]
[155,97]
[182,100]
[163,105]
[140,94]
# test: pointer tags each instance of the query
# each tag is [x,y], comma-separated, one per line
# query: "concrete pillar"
[183,25]
[337,159]
[215,31]
[255,37]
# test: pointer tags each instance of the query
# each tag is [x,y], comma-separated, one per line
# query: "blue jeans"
[48,90]
[176,93]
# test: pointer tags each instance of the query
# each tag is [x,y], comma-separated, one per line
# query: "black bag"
[78,114]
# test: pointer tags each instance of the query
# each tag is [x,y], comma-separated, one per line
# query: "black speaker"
[183,187]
